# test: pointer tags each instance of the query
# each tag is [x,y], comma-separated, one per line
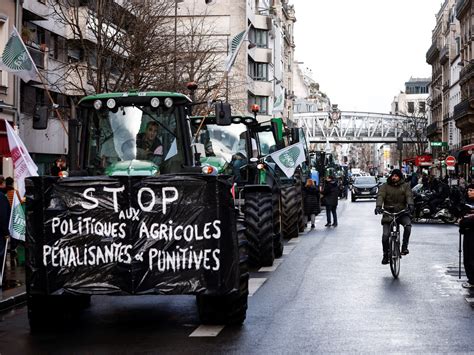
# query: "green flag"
[17,225]
[16,59]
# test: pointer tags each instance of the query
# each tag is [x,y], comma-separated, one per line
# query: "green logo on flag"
[15,56]
[19,220]
[290,157]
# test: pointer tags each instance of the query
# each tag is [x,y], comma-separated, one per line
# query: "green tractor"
[271,137]
[231,150]
[137,215]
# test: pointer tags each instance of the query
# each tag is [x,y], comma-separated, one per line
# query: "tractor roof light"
[236,119]
[255,108]
[97,104]
[209,170]
[111,104]
[168,102]
[155,102]
[249,120]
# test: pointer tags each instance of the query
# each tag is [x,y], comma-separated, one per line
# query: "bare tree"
[414,129]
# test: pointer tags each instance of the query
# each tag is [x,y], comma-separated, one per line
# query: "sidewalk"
[13,292]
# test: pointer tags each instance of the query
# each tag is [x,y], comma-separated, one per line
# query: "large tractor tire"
[301,217]
[290,203]
[277,233]
[259,228]
[230,309]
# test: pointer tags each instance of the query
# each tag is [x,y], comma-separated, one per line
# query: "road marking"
[255,284]
[294,241]
[276,263]
[287,249]
[207,331]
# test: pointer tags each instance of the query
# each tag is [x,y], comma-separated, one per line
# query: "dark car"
[364,187]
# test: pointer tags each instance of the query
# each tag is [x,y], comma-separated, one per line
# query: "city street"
[328,293]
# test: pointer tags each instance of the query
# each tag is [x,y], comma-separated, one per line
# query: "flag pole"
[229,65]
[42,79]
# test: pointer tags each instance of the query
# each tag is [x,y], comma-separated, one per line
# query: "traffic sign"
[450,161]
[439,144]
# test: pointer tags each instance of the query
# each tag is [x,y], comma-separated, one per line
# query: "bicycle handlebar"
[396,214]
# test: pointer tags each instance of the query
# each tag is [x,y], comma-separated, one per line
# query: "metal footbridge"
[359,127]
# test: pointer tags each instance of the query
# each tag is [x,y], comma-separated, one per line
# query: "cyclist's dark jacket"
[395,195]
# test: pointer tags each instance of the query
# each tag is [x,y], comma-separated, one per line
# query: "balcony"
[444,54]
[461,7]
[432,54]
[466,72]
[38,56]
[463,114]
[433,129]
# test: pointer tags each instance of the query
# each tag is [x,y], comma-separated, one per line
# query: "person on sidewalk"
[466,227]
[331,194]
[311,201]
[10,190]
[4,232]
[394,196]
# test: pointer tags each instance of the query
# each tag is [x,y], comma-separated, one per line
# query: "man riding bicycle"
[395,195]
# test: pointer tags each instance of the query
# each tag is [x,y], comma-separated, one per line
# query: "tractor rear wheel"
[229,309]
[277,233]
[290,202]
[259,228]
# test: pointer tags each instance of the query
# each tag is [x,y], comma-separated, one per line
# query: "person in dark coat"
[311,201]
[395,195]
[4,232]
[331,194]
[466,227]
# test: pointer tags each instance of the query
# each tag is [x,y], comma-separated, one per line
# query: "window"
[53,46]
[3,39]
[259,37]
[411,107]
[422,107]
[262,101]
[258,71]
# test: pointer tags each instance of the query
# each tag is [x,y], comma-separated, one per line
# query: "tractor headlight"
[168,102]
[111,104]
[155,102]
[97,104]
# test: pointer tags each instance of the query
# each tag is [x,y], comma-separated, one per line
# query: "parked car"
[364,187]
[382,180]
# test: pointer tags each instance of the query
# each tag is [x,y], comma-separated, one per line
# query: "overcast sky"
[362,52]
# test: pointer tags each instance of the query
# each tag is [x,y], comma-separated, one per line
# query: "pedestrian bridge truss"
[360,127]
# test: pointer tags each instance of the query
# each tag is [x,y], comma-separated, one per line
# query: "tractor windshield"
[133,141]
[223,141]
[267,142]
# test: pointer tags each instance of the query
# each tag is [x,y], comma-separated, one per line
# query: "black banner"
[131,235]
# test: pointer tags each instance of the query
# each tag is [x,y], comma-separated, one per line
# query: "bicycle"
[394,241]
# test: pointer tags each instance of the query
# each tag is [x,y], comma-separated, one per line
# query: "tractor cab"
[133,133]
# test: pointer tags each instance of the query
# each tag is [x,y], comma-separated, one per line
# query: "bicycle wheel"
[394,257]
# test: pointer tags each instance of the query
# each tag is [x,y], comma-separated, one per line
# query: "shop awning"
[463,155]
[424,160]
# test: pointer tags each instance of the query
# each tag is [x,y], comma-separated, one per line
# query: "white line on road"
[255,284]
[287,249]
[207,331]
[276,263]
[294,241]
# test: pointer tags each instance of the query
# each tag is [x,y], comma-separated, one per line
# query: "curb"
[13,301]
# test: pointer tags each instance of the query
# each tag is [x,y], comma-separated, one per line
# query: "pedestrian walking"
[10,190]
[331,194]
[4,233]
[311,202]
[466,227]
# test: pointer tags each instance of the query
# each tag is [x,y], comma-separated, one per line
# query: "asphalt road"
[329,293]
